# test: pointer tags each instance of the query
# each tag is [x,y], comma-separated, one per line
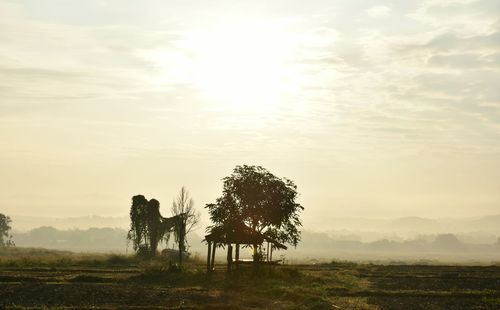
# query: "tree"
[183,206]
[155,230]
[266,204]
[147,227]
[5,236]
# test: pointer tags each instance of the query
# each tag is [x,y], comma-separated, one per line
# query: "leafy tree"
[154,228]
[261,201]
[183,206]
[5,236]
[147,227]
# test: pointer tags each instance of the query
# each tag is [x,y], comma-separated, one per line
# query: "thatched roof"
[241,234]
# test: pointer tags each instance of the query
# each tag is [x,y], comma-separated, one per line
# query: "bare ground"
[329,286]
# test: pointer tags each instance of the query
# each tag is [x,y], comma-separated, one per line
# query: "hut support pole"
[267,252]
[229,256]
[212,261]
[237,256]
[209,255]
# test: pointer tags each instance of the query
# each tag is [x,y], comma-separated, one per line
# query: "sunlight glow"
[238,67]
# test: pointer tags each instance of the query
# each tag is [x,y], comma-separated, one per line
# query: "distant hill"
[487,223]
[448,242]
[350,238]
[438,247]
[25,223]
[87,240]
[102,239]
[412,226]
[314,245]
[404,226]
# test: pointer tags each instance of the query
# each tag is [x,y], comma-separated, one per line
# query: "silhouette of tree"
[261,201]
[183,207]
[147,227]
[138,225]
[5,236]
[155,230]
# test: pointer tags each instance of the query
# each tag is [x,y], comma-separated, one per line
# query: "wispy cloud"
[337,84]
[379,11]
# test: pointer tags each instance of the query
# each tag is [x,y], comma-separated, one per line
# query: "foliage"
[261,201]
[147,228]
[5,236]
[183,207]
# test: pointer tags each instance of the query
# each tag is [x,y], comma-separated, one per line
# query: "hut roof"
[240,234]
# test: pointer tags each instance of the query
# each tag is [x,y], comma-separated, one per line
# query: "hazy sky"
[374,108]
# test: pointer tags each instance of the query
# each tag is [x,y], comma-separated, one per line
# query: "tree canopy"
[266,204]
[147,227]
[5,236]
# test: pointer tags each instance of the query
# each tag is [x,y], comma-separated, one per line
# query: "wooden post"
[229,256]
[267,252]
[212,261]
[209,255]
[237,255]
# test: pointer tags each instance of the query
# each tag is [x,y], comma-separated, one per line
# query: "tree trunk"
[181,242]
[180,251]
[212,261]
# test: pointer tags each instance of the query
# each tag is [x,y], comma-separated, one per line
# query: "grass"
[44,258]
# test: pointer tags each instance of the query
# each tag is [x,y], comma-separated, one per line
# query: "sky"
[374,108]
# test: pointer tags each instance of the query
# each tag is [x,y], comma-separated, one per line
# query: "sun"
[245,67]
[237,66]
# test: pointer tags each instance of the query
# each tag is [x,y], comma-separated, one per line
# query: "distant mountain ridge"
[404,227]
[491,223]
[314,245]
[413,225]
[103,239]
[25,223]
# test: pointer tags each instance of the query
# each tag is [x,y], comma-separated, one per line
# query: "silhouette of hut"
[237,235]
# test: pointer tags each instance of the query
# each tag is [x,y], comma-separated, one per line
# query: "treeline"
[82,240]
[92,239]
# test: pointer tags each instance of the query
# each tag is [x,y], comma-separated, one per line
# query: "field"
[64,280]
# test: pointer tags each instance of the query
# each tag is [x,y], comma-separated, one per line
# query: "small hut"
[237,235]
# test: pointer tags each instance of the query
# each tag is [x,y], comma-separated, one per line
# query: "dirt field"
[329,286]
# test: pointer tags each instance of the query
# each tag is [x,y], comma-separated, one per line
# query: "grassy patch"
[90,279]
[43,258]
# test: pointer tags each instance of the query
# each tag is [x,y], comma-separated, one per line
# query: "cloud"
[89,89]
[379,11]
[451,42]
[465,60]
[320,37]
[463,18]
[57,61]
[431,84]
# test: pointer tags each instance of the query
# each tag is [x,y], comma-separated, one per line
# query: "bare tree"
[183,206]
